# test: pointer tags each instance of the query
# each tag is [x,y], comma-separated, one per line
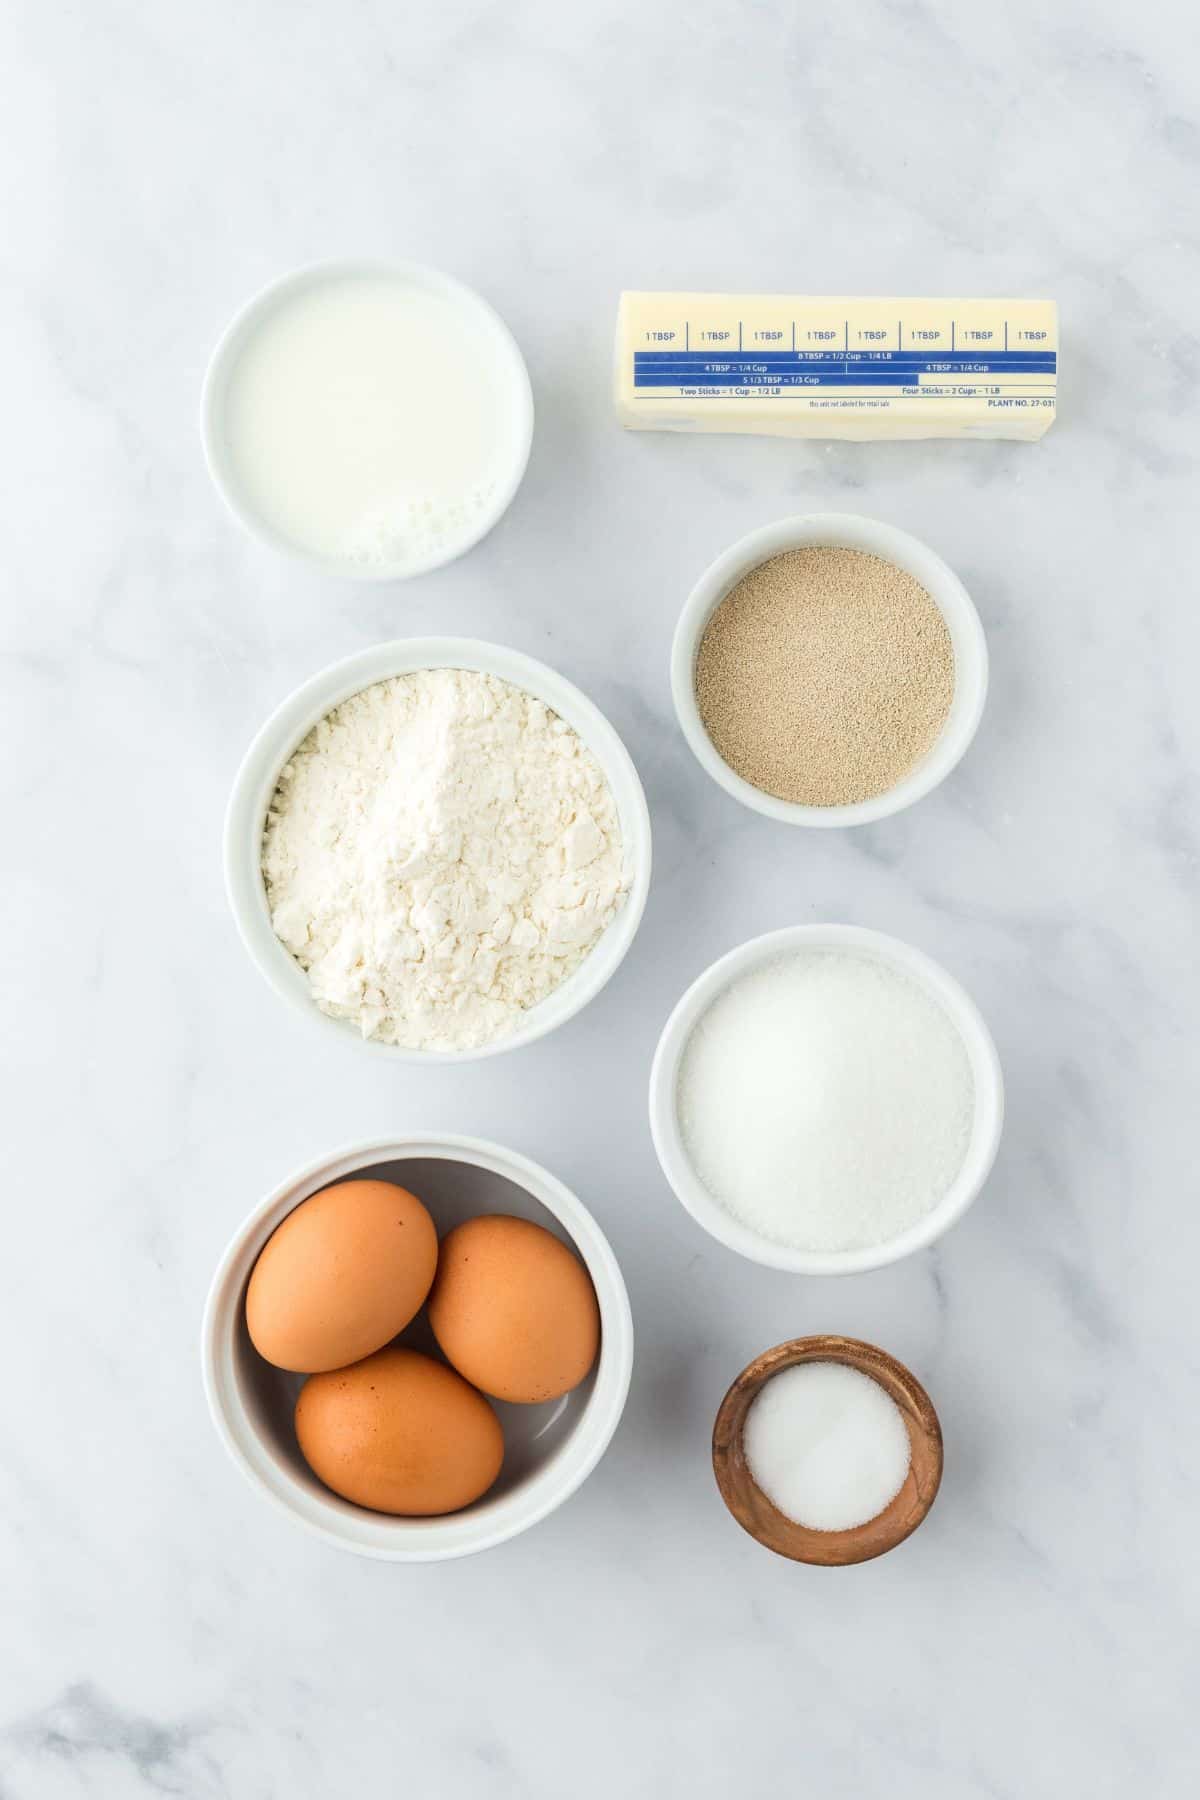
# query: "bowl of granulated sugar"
[826,1099]
[829,670]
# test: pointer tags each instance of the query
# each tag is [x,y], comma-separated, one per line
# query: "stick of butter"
[790,366]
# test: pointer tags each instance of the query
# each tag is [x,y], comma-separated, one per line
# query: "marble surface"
[165,1631]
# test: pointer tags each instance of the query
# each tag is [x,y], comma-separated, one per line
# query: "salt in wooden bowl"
[764,1521]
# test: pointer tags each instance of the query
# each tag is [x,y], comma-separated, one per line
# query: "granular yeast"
[825,675]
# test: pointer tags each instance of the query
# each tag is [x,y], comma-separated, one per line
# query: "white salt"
[826,1445]
[826,1101]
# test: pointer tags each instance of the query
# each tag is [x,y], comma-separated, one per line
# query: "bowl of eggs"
[418,1347]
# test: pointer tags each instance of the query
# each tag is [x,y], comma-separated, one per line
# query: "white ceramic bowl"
[963,1013]
[549,1449]
[290,724]
[851,532]
[489,329]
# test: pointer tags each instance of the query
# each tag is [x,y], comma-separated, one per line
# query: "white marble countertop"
[166,1632]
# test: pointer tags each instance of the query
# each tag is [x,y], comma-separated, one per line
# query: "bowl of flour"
[438,848]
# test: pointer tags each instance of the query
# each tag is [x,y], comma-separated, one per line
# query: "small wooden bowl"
[755,1513]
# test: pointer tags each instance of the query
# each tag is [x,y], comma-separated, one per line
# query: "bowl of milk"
[372,418]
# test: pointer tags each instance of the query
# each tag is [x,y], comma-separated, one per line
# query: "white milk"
[372,420]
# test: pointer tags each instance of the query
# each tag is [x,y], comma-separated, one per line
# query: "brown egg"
[341,1276]
[399,1433]
[513,1309]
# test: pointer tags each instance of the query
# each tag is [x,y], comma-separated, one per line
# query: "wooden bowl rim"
[763,1521]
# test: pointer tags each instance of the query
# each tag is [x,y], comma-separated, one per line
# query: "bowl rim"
[963,1014]
[380,1535]
[291,721]
[275,294]
[852,531]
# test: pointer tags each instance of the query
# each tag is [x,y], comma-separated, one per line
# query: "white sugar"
[826,1445]
[826,1101]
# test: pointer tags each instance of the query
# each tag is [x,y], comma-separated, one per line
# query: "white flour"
[441,852]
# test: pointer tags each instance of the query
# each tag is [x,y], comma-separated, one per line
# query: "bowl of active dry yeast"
[829,670]
[826,1100]
[437,849]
